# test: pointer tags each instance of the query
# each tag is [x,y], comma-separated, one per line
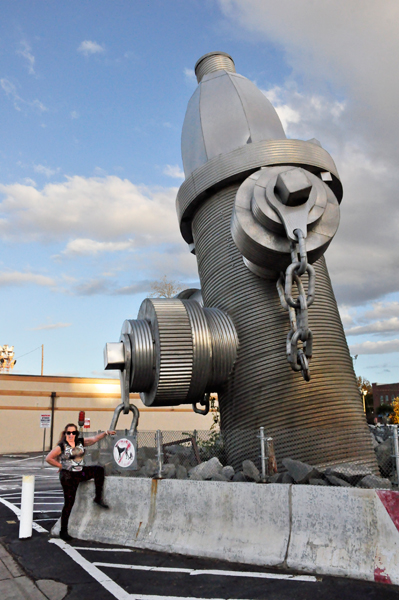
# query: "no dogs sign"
[125,453]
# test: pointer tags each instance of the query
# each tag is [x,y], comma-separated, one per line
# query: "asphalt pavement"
[43,567]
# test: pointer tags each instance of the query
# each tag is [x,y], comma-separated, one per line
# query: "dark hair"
[62,435]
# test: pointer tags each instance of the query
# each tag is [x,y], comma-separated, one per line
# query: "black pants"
[70,481]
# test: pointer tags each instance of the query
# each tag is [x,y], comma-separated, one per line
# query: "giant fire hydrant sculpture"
[259,211]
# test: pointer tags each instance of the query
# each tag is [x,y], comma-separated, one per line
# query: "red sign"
[87,423]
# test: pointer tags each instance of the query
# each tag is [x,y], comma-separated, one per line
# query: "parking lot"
[102,571]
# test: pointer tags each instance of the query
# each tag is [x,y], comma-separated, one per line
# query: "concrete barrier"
[335,531]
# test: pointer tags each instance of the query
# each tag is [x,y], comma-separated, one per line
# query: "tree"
[165,288]
[395,415]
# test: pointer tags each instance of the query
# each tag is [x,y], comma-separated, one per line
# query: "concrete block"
[334,531]
[199,518]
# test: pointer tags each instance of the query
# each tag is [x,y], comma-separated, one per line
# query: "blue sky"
[93,97]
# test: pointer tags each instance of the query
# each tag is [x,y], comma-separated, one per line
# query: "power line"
[18,357]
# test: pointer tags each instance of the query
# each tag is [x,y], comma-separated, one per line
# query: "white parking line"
[104,549]
[17,511]
[110,585]
[252,574]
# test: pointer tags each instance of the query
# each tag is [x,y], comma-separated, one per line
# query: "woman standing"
[68,457]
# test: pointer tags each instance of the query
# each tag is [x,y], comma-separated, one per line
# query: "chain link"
[297,356]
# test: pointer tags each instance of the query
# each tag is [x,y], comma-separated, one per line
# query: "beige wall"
[24,397]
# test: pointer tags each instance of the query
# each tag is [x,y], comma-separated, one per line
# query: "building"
[384,393]
[24,398]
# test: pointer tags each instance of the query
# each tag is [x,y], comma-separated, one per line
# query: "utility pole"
[42,358]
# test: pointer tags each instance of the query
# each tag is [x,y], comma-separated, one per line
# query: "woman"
[68,457]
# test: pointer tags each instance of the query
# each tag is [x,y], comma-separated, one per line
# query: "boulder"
[151,467]
[276,478]
[219,477]
[350,472]
[174,459]
[169,471]
[300,472]
[314,481]
[181,472]
[337,481]
[286,478]
[374,482]
[206,470]
[250,471]
[239,477]
[228,472]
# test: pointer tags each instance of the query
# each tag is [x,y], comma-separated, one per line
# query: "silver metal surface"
[259,232]
[114,356]
[235,166]
[158,444]
[262,388]
[135,417]
[213,61]
[179,351]
[226,112]
[263,458]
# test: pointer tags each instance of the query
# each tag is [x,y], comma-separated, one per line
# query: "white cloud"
[25,51]
[51,326]
[379,347]
[16,278]
[74,114]
[174,171]
[380,327]
[43,170]
[382,310]
[106,209]
[87,247]
[11,91]
[89,47]
[190,76]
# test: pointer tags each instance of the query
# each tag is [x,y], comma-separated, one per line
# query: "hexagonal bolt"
[293,187]
[114,356]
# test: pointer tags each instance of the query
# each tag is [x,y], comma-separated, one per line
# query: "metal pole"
[44,445]
[262,453]
[27,501]
[396,446]
[53,395]
[158,440]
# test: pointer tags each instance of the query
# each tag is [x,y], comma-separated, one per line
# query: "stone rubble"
[180,463]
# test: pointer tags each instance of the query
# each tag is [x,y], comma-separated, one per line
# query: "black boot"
[64,535]
[100,502]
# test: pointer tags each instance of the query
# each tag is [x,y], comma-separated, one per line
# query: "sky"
[93,97]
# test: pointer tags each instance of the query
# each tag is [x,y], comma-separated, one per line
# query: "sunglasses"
[71,433]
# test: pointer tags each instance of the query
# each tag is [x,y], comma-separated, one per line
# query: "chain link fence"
[172,454]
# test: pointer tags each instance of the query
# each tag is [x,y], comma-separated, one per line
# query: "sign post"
[45,423]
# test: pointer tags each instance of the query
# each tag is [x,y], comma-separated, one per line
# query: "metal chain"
[298,357]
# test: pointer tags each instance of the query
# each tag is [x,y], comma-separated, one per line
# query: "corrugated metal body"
[142,354]
[320,421]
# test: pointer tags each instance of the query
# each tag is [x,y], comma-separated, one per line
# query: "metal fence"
[267,451]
